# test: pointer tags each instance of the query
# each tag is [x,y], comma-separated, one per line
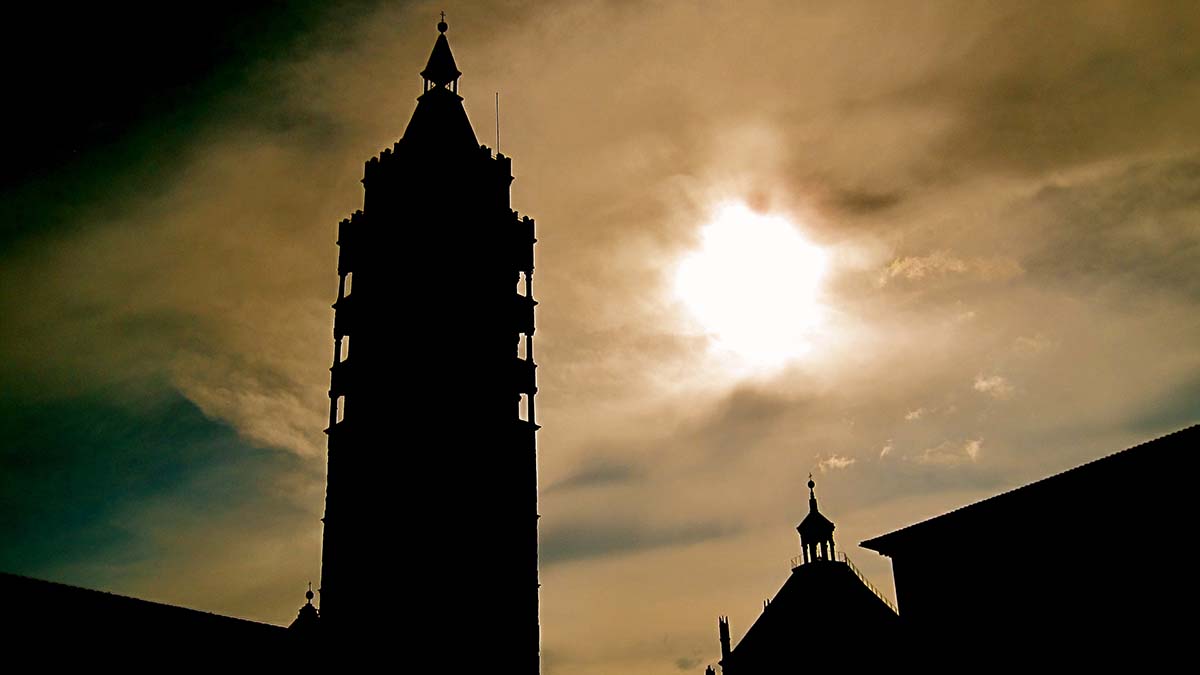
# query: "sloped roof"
[40,608]
[441,68]
[441,121]
[815,524]
[1099,479]
[821,603]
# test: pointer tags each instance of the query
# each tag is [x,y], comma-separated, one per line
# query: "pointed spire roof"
[441,69]
[815,526]
[308,619]
[440,124]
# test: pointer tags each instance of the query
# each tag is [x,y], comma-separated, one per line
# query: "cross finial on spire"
[442,24]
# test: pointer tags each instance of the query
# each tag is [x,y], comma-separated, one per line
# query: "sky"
[971,235]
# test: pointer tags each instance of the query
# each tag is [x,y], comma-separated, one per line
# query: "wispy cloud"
[940,264]
[996,386]
[601,537]
[1033,345]
[835,462]
[597,473]
[952,452]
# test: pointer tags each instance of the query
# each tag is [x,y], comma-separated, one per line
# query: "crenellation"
[370,170]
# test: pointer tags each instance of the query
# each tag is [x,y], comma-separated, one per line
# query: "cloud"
[1033,345]
[913,415]
[949,453]
[144,501]
[940,264]
[1131,227]
[861,201]
[969,210]
[995,386]
[595,473]
[834,462]
[606,537]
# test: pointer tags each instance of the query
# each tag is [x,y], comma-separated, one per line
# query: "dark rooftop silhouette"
[41,611]
[1110,478]
[1075,566]
[825,606]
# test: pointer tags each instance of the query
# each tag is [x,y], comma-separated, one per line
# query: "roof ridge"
[1091,462]
[120,596]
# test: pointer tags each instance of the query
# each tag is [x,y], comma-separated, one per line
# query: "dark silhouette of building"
[430,537]
[48,621]
[432,477]
[824,607]
[1080,566]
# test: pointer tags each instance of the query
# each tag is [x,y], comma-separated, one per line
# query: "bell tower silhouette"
[430,536]
[816,531]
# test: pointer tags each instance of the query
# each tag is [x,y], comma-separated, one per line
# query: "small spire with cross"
[442,24]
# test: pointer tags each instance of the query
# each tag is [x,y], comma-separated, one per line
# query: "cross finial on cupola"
[442,24]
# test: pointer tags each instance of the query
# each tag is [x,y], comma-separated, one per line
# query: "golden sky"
[1004,197]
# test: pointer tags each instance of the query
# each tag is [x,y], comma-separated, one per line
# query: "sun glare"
[754,285]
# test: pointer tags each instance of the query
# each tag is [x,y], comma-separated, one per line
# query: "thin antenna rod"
[497,123]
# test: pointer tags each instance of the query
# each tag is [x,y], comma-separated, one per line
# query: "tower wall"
[432,458]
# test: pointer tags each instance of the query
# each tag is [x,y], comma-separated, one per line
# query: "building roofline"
[887,543]
[32,582]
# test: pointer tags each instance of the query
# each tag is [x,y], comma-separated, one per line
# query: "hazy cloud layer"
[1009,194]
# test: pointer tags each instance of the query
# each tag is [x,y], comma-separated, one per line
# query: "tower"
[816,531]
[432,455]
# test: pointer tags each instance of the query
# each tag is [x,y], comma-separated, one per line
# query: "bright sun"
[754,285]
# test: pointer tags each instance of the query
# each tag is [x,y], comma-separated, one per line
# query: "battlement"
[525,225]
[347,236]
[349,226]
[380,161]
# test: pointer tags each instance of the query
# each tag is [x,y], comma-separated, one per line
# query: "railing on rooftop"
[867,582]
[798,561]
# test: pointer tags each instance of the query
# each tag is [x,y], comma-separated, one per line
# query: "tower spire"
[441,71]
[816,531]
[436,182]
